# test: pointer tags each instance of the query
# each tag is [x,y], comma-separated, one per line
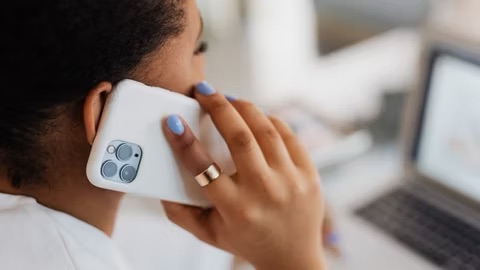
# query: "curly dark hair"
[54,51]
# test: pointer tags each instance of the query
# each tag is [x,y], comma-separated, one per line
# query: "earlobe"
[92,108]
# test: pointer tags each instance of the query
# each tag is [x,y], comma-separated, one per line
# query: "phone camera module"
[121,161]
[128,174]
[124,152]
[109,169]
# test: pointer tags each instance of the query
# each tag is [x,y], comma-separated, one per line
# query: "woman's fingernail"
[175,125]
[230,98]
[333,239]
[205,89]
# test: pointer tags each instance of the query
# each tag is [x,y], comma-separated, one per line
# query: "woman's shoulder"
[29,238]
[36,237]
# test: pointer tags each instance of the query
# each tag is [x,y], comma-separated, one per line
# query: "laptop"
[430,217]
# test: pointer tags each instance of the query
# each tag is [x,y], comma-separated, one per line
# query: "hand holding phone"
[130,153]
[270,212]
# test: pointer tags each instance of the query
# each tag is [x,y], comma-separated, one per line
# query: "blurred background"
[339,72]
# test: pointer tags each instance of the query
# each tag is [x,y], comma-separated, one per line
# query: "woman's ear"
[93,107]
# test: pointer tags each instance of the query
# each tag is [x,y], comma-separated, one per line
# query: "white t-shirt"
[35,237]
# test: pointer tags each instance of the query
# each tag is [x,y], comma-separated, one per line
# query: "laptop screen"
[448,149]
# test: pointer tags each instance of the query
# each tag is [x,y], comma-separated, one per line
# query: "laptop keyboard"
[441,238]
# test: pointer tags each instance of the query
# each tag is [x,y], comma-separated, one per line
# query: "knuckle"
[250,215]
[303,187]
[263,177]
[244,106]
[187,145]
[273,190]
[270,133]
[243,139]
[278,196]
[300,188]
[218,106]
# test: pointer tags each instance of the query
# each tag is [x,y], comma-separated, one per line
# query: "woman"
[61,60]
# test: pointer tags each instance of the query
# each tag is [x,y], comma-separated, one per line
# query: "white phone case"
[133,113]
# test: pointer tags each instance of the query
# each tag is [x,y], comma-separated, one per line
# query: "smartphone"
[130,153]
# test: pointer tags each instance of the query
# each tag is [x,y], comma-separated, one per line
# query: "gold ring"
[211,174]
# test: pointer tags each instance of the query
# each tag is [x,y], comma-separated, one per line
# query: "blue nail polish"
[333,238]
[175,125]
[205,89]
[230,98]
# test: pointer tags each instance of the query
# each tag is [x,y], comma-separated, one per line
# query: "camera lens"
[109,169]
[124,152]
[128,173]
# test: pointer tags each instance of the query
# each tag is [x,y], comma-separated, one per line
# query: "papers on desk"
[326,144]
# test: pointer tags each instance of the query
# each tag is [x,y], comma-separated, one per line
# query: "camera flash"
[111,149]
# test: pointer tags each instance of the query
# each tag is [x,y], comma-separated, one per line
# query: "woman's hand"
[271,210]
